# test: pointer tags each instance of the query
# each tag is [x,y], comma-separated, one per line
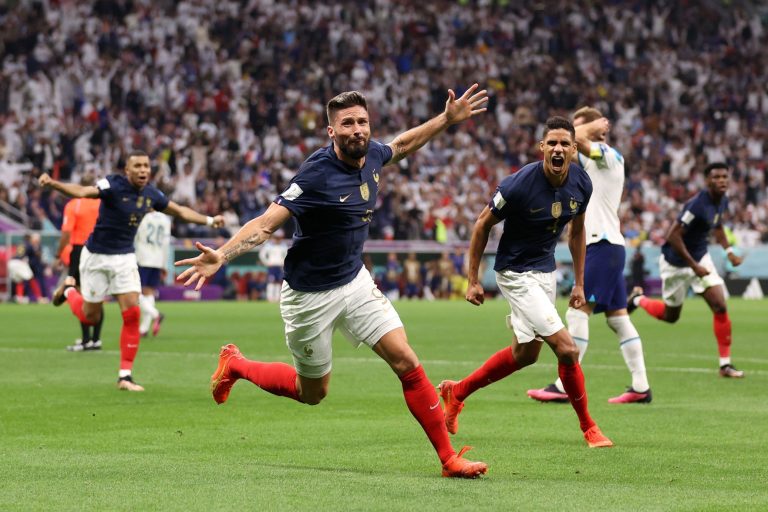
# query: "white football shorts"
[531,297]
[358,309]
[107,274]
[19,270]
[675,281]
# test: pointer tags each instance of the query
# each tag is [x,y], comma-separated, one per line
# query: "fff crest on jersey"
[557,209]
[364,191]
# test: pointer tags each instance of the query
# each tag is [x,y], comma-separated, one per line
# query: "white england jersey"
[153,240]
[605,167]
[272,254]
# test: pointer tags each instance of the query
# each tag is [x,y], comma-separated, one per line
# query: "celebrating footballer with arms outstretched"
[332,198]
[108,261]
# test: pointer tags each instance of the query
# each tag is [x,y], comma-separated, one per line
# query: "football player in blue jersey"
[685,263]
[108,262]
[535,204]
[604,285]
[326,286]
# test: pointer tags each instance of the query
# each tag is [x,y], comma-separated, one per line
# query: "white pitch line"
[427,362]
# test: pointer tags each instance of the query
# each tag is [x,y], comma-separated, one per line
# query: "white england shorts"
[531,297]
[358,309]
[107,274]
[675,281]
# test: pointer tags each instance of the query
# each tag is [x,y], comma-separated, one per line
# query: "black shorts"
[74,263]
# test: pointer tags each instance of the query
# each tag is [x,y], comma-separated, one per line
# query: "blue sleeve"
[691,211]
[383,150]
[106,187]
[587,193]
[304,192]
[502,202]
[159,200]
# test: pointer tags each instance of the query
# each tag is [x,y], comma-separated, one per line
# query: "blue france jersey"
[333,205]
[698,217]
[120,213]
[534,214]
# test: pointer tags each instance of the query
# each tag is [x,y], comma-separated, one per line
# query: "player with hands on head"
[332,199]
[535,204]
[108,261]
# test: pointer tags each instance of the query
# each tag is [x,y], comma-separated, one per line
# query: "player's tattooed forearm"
[236,250]
[398,150]
[241,247]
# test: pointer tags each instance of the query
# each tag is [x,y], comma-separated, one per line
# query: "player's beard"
[354,151]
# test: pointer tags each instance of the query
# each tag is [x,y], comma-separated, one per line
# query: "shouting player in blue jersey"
[685,263]
[604,285]
[108,263]
[535,204]
[326,286]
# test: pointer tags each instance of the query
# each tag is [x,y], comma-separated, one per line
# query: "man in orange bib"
[80,216]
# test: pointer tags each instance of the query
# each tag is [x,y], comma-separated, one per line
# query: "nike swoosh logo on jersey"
[344,198]
[433,407]
[537,210]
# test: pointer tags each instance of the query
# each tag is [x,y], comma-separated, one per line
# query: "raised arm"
[577,244]
[188,214]
[68,189]
[477,244]
[587,132]
[456,110]
[254,233]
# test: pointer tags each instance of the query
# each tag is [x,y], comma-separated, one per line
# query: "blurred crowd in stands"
[229,96]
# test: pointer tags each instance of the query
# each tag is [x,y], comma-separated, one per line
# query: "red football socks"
[34,287]
[424,404]
[573,382]
[129,336]
[276,378]
[722,326]
[75,301]
[498,366]
[654,307]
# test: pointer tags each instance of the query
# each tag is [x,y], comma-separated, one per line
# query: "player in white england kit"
[604,285]
[153,244]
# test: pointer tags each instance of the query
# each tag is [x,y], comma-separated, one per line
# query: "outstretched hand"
[469,104]
[204,265]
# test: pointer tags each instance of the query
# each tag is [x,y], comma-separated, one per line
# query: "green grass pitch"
[70,441]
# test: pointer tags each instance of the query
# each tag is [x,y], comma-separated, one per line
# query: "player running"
[326,284]
[535,204]
[685,263]
[604,285]
[108,263]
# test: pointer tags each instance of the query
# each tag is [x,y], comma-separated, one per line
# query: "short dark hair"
[136,152]
[345,100]
[559,123]
[714,165]
[123,161]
